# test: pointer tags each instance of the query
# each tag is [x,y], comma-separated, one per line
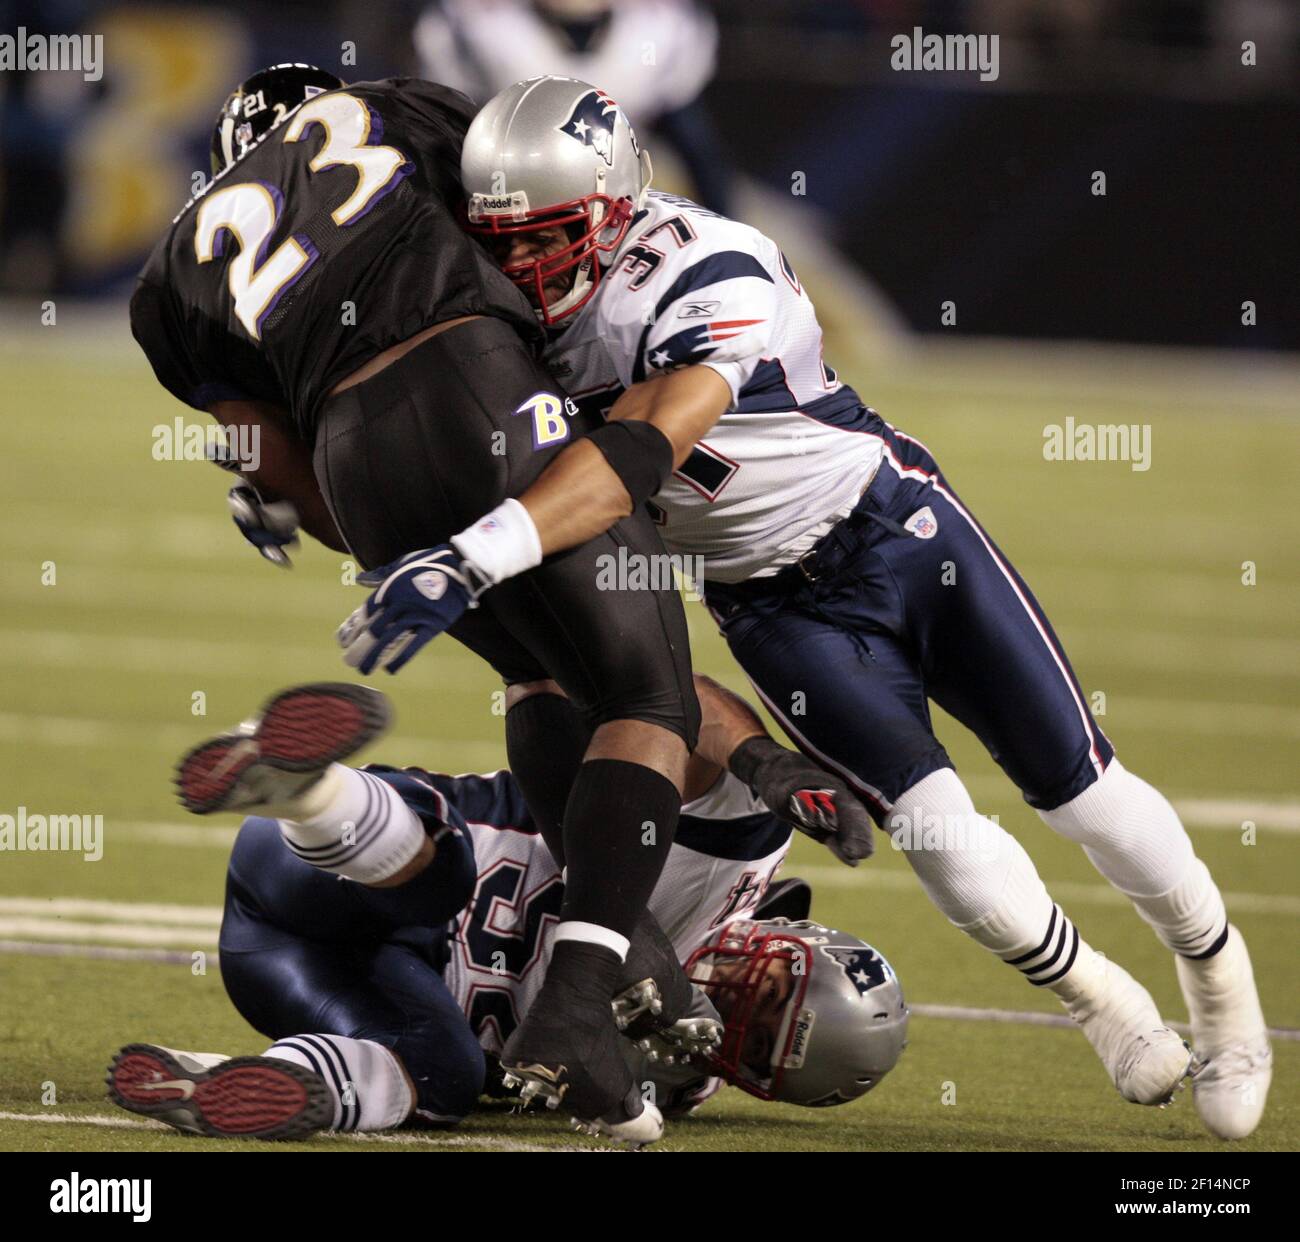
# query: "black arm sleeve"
[639,453]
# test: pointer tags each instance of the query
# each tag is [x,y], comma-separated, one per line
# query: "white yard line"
[828,876]
[1021,1017]
[108,1122]
[1277,659]
[86,733]
[1201,717]
[1208,814]
[62,926]
[104,952]
[1118,592]
[194,835]
[1179,717]
[1172,651]
[173,593]
[1231,814]
[18,928]
[114,911]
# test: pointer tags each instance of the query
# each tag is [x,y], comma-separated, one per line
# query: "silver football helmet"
[550,153]
[813,1016]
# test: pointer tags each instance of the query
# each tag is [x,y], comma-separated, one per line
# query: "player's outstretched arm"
[601,478]
[732,738]
[816,802]
[591,485]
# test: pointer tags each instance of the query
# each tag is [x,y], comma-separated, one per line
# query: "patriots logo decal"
[696,343]
[592,123]
[865,968]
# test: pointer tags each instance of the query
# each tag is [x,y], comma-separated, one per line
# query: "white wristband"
[501,543]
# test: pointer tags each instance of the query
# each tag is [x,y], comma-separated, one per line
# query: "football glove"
[271,526]
[816,802]
[416,599]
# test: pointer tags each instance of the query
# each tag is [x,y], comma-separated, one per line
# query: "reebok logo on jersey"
[923,524]
[697,310]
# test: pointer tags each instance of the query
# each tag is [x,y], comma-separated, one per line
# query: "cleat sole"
[302,729]
[244,1097]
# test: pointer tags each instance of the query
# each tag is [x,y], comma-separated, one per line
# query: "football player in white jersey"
[849,580]
[390,996]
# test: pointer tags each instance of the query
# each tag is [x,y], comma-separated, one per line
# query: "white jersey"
[795,449]
[728,848]
[482,46]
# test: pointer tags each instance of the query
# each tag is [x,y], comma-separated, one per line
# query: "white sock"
[593,933]
[365,1080]
[980,877]
[1133,836]
[354,825]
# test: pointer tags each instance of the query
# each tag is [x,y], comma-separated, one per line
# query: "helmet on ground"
[813,1016]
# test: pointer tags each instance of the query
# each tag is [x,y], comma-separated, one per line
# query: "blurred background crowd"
[903,190]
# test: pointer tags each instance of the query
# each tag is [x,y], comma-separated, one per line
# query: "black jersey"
[331,240]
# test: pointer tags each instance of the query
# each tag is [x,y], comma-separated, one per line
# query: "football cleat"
[635,1134]
[1230,1038]
[567,1053]
[697,1032]
[1146,1061]
[283,751]
[220,1097]
[655,1005]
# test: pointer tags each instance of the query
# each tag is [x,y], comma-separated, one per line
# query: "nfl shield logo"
[923,524]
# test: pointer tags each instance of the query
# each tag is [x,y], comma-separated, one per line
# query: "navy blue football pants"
[303,951]
[846,647]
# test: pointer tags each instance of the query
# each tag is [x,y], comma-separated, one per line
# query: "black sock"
[618,827]
[546,738]
[587,970]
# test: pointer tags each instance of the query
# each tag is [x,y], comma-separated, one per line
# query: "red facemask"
[737,996]
[595,214]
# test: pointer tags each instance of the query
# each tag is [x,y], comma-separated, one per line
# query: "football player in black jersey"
[320,293]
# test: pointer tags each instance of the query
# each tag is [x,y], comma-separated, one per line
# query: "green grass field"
[155,599]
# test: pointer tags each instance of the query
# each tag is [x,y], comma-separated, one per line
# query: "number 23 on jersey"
[249,211]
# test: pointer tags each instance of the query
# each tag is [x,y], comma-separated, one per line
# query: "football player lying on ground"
[319,294]
[847,577]
[390,996]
